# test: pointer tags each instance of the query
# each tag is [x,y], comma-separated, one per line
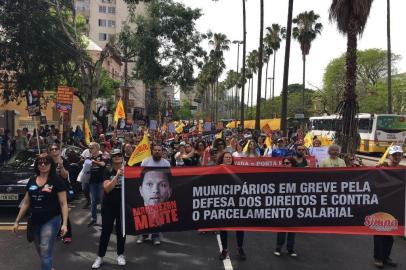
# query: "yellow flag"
[142,151]
[219,135]
[308,140]
[325,141]
[179,128]
[385,155]
[268,142]
[120,113]
[246,146]
[87,133]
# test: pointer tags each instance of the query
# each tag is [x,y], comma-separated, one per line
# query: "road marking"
[226,261]
[82,219]
[12,223]
[10,228]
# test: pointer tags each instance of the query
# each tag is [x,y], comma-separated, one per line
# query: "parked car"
[14,175]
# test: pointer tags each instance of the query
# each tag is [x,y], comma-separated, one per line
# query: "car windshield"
[22,159]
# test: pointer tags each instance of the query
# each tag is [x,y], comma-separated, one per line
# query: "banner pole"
[63,116]
[36,127]
[123,195]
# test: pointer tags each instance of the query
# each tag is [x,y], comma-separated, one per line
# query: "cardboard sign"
[64,99]
[33,103]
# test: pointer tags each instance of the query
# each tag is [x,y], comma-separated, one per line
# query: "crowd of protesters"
[105,156]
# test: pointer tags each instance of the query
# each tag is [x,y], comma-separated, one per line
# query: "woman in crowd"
[252,150]
[62,167]
[239,149]
[45,201]
[281,237]
[300,156]
[111,209]
[261,145]
[180,155]
[227,159]
[200,148]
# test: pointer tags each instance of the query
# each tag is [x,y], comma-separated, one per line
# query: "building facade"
[104,19]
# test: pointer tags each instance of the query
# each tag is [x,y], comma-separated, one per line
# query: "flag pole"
[36,127]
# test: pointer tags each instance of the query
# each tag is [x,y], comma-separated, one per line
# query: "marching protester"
[252,150]
[383,243]
[96,179]
[155,160]
[128,150]
[333,160]
[111,209]
[289,237]
[227,159]
[239,149]
[62,171]
[261,145]
[45,201]
[300,156]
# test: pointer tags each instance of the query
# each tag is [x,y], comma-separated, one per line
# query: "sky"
[225,16]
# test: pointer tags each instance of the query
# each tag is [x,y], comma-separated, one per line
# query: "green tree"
[167,47]
[306,30]
[372,68]
[351,18]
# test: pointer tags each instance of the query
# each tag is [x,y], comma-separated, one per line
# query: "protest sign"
[268,161]
[64,99]
[339,200]
[33,103]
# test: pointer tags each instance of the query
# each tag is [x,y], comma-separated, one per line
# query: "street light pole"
[238,42]
[270,87]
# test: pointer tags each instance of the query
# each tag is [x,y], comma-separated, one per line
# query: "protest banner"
[268,161]
[33,103]
[364,200]
[64,99]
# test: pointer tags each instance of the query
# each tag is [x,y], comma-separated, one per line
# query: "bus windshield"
[391,123]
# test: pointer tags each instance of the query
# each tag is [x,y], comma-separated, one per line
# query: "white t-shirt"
[150,162]
[236,154]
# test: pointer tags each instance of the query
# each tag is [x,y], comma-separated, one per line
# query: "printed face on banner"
[155,188]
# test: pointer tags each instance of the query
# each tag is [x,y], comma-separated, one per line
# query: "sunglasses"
[54,149]
[43,162]
[286,163]
[300,149]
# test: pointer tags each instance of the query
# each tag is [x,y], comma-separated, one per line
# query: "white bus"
[377,131]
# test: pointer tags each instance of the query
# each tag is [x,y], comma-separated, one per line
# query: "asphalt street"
[191,250]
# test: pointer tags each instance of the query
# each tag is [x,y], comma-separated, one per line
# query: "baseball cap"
[116,152]
[395,149]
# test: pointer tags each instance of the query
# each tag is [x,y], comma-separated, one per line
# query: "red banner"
[268,161]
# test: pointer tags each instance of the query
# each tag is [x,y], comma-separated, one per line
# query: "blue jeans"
[95,194]
[44,239]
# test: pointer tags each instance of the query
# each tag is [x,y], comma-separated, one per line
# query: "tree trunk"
[348,136]
[390,101]
[248,97]
[244,55]
[304,83]
[266,79]
[252,97]
[273,74]
[260,63]
[284,107]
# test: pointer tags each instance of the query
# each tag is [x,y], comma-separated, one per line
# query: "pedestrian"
[111,209]
[383,243]
[227,159]
[282,237]
[45,201]
[300,156]
[62,170]
[252,150]
[96,179]
[21,142]
[155,160]
[239,149]
[333,160]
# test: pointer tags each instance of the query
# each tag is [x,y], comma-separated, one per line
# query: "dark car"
[14,177]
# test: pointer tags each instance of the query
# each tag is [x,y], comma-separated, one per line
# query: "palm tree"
[260,64]
[284,107]
[252,64]
[273,42]
[219,43]
[389,56]
[305,32]
[351,17]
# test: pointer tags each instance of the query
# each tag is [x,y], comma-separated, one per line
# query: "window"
[111,24]
[102,36]
[365,125]
[102,9]
[112,10]
[102,23]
